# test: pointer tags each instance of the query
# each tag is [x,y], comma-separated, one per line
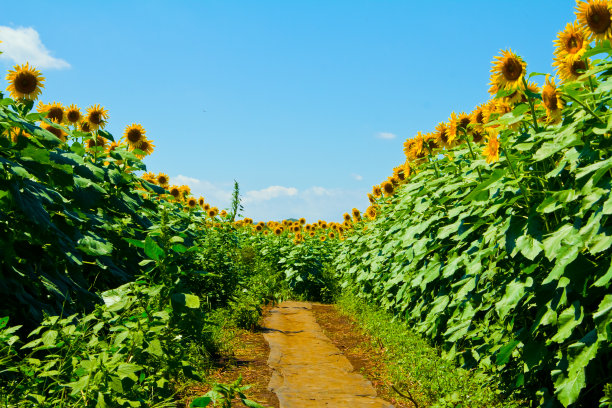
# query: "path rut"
[308,370]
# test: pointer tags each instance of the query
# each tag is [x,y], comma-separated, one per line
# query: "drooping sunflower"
[97,141]
[443,135]
[571,41]
[96,117]
[508,71]
[477,118]
[595,18]
[371,198]
[430,140]
[134,134]
[25,82]
[59,133]
[551,100]
[84,126]
[570,67]
[73,114]
[146,147]
[491,150]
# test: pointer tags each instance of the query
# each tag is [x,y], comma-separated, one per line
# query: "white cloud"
[23,44]
[268,193]
[357,177]
[386,135]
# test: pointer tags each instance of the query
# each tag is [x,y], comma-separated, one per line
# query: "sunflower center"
[85,127]
[573,44]
[549,97]
[25,83]
[95,118]
[598,18]
[73,116]
[578,67]
[512,69]
[134,136]
[162,180]
[56,114]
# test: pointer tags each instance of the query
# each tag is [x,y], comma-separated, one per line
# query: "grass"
[412,361]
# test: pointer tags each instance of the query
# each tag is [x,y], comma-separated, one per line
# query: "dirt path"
[308,370]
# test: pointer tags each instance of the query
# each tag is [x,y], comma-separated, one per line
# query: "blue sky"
[305,103]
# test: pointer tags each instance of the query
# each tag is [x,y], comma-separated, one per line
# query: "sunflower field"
[492,240]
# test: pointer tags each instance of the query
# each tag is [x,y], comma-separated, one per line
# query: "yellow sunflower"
[278,231]
[73,114]
[97,141]
[570,67]
[162,179]
[192,202]
[491,150]
[571,41]
[443,135]
[595,18]
[201,201]
[134,134]
[25,82]
[551,100]
[376,191]
[59,133]
[508,71]
[431,140]
[356,214]
[388,188]
[371,212]
[477,118]
[174,191]
[84,126]
[97,117]
[147,147]
[212,212]
[150,177]
[112,146]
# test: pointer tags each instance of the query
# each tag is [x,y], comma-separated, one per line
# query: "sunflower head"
[278,231]
[595,18]
[59,133]
[376,191]
[371,212]
[96,117]
[192,202]
[571,41]
[174,191]
[387,188]
[134,134]
[551,100]
[570,67]
[25,82]
[201,201]
[146,147]
[491,150]
[508,72]
[73,114]
[96,141]
[162,179]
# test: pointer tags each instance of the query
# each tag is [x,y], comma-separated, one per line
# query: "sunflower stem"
[433,161]
[585,106]
[532,107]
[467,139]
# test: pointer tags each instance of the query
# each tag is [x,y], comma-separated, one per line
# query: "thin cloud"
[217,194]
[269,193]
[357,177]
[386,135]
[23,44]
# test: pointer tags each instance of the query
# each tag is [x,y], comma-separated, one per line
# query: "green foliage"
[506,267]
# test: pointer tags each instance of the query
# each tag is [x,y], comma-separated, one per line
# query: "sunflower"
[73,114]
[371,212]
[134,134]
[15,134]
[356,214]
[201,200]
[595,18]
[443,135]
[148,176]
[162,179]
[508,71]
[388,188]
[570,68]
[331,235]
[213,212]
[477,117]
[97,141]
[96,117]
[59,133]
[478,136]
[371,198]
[185,191]
[25,82]
[223,213]
[278,231]
[571,41]
[206,207]
[431,140]
[85,127]
[376,191]
[491,150]
[551,100]
[192,202]
[175,191]
[112,146]
[322,238]
[463,121]
[146,147]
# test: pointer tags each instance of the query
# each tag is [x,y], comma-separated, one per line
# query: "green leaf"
[567,321]
[514,293]
[603,318]
[504,353]
[186,300]
[155,348]
[529,246]
[105,134]
[127,370]
[251,404]
[152,250]
[48,338]
[136,242]
[95,247]
[200,402]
